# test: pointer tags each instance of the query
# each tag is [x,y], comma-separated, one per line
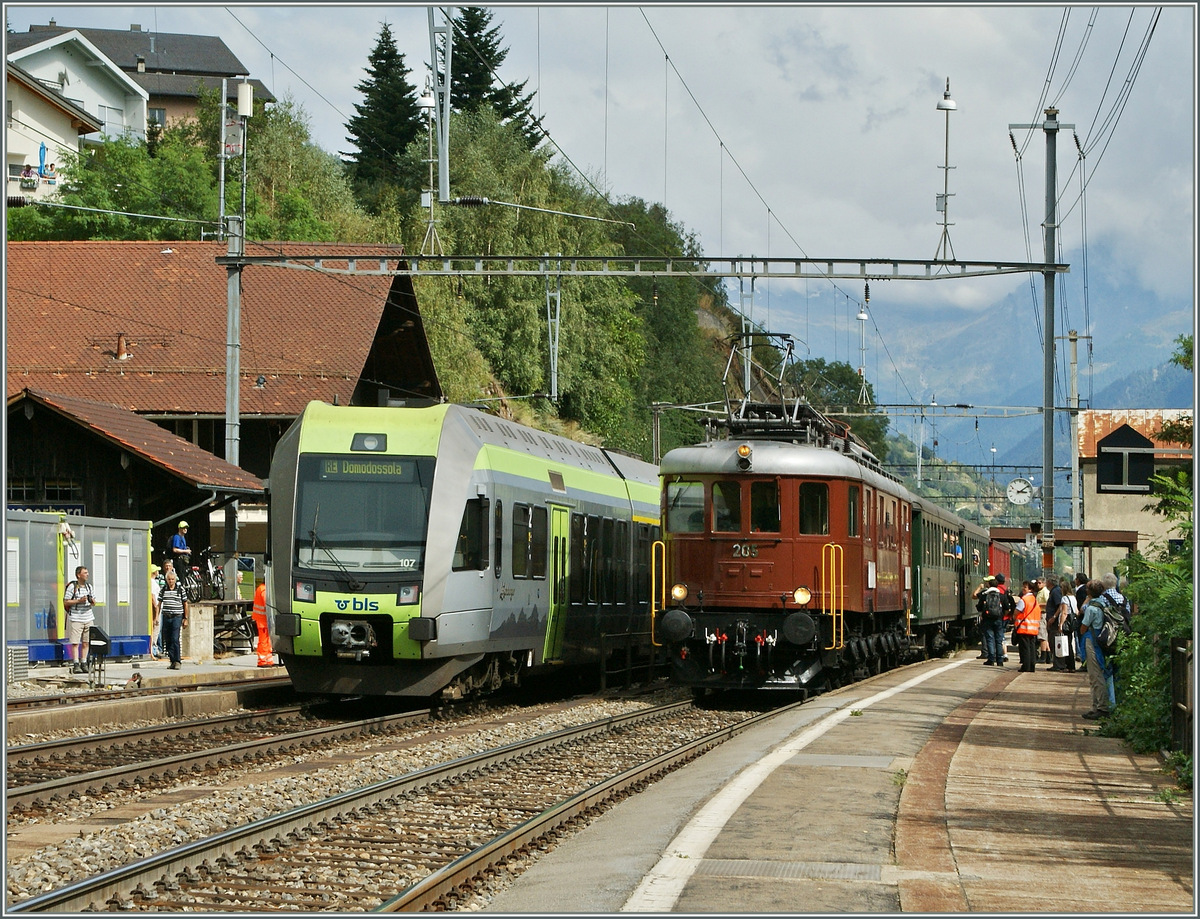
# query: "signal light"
[743,453]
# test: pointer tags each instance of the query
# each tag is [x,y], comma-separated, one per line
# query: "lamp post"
[431,245]
[945,251]
[233,348]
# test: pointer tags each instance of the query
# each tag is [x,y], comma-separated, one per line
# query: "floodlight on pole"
[427,103]
[945,251]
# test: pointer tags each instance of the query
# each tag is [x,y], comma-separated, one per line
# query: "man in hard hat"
[266,657]
[179,546]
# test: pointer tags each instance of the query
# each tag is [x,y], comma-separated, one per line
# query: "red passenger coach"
[788,563]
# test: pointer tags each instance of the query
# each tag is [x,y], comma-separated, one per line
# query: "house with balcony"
[171,69]
[41,125]
[81,73]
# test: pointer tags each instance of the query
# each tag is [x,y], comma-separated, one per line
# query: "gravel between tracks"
[162,828]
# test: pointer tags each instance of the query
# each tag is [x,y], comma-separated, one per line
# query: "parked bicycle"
[212,576]
[204,579]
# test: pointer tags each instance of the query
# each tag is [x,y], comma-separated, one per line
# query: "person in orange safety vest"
[1028,618]
[266,657]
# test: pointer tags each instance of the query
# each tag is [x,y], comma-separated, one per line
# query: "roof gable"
[1096,426]
[148,441]
[74,37]
[74,307]
[161,51]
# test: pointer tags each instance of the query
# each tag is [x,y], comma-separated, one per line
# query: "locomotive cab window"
[764,507]
[852,512]
[471,547]
[814,508]
[727,507]
[685,507]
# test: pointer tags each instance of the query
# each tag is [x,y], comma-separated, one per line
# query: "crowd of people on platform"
[1054,623]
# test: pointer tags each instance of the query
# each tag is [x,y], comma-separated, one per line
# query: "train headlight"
[408,594]
[743,455]
[373,442]
[802,595]
[306,591]
[679,592]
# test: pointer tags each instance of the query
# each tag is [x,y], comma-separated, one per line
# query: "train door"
[560,532]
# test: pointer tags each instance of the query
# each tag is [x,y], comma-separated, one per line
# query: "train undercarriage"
[737,651]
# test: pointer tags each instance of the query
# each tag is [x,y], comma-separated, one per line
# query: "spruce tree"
[478,55]
[386,121]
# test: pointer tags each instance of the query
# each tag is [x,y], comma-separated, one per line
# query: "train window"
[594,571]
[538,543]
[685,507]
[578,573]
[520,541]
[621,562]
[764,507]
[607,560]
[814,508]
[852,511]
[499,536]
[470,549]
[727,507]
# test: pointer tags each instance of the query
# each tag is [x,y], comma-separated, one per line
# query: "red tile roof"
[308,333]
[148,441]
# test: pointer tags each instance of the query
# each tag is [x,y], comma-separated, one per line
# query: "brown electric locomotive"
[792,560]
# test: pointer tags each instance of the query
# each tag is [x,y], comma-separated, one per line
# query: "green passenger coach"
[444,551]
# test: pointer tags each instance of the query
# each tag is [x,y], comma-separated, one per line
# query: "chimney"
[122,350]
[141,64]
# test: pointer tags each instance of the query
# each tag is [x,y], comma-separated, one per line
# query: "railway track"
[125,759]
[414,840]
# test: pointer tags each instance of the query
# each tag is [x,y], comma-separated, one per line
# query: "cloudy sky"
[798,129]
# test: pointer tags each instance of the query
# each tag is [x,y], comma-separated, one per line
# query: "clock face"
[1020,491]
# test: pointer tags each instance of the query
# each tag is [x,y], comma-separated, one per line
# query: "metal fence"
[1182,681]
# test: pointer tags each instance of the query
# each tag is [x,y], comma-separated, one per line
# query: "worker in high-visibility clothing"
[266,657]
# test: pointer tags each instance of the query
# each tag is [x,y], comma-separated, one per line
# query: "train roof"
[332,427]
[773,458]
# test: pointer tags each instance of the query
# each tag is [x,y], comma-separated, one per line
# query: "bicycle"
[212,577]
[189,578]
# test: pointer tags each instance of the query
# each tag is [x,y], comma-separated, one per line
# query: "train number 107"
[744,550]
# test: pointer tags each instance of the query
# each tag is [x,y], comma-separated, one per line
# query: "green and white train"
[444,551]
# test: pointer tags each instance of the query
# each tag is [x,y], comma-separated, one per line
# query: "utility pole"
[236,252]
[1076,523]
[1051,126]
[440,84]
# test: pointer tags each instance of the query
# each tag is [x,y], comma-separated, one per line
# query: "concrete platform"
[103,715]
[975,790]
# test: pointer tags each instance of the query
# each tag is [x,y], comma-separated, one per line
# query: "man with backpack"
[1098,671]
[991,606]
[80,604]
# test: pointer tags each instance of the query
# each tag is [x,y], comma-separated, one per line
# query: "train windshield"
[362,512]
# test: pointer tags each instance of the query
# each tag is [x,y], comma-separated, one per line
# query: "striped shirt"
[171,600]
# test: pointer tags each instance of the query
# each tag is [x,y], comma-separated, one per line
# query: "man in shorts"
[80,605]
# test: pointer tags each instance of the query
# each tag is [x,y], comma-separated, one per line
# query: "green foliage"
[1160,584]
[384,123]
[835,388]
[121,175]
[478,55]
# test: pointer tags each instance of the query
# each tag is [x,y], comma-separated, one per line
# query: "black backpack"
[993,605]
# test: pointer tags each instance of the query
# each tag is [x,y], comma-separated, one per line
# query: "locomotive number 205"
[744,550]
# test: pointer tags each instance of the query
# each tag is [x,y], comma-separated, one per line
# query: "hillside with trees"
[628,348]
